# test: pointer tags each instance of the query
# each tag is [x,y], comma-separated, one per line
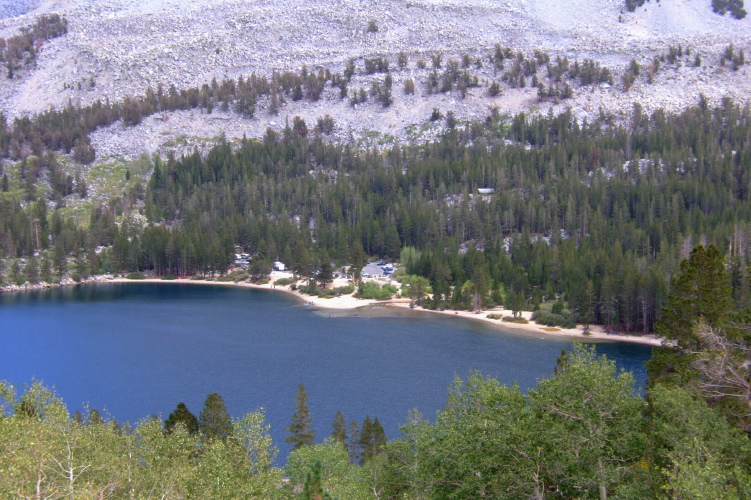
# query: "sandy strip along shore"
[595,333]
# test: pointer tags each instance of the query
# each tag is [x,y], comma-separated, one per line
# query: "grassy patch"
[551,329]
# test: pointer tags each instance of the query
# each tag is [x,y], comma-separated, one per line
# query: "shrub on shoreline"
[551,319]
[372,290]
[135,276]
[513,319]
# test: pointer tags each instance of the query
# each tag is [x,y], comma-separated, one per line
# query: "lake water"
[137,349]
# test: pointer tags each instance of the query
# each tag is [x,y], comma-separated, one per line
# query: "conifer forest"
[639,222]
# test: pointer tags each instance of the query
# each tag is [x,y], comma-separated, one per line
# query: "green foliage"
[285,281]
[631,5]
[577,433]
[135,276]
[235,276]
[697,453]
[214,421]
[618,201]
[582,433]
[181,416]
[551,319]
[325,270]
[372,290]
[701,292]
[337,475]
[52,455]
[259,269]
[301,434]
[339,430]
[735,7]
[415,287]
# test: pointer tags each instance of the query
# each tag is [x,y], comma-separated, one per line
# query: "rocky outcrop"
[119,48]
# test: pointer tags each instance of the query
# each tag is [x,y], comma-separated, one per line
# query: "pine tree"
[359,259]
[45,270]
[313,488]
[60,260]
[326,272]
[339,429]
[184,416]
[300,432]
[214,421]
[301,259]
[379,437]
[31,270]
[353,445]
[702,291]
[95,418]
[367,440]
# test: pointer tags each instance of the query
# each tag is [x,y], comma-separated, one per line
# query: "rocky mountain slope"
[119,48]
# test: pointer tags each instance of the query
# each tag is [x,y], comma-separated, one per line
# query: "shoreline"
[347,302]
[596,333]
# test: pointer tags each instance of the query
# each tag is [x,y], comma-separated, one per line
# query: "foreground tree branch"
[725,366]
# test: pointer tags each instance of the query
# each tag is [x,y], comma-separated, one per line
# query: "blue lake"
[137,349]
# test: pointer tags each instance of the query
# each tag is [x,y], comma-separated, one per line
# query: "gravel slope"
[129,45]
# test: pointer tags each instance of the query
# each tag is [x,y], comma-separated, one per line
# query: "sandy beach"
[595,333]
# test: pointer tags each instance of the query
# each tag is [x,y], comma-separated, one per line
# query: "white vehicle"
[278,266]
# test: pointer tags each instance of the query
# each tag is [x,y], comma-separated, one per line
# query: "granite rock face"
[119,48]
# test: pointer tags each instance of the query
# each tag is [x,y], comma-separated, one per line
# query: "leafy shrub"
[168,277]
[345,290]
[512,319]
[234,276]
[372,290]
[552,319]
[284,281]
[135,276]
[493,316]
[309,290]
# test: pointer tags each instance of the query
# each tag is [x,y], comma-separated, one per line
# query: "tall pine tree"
[214,421]
[702,291]
[301,434]
[339,429]
[367,440]
[353,445]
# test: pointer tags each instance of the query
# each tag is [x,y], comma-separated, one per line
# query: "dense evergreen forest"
[598,213]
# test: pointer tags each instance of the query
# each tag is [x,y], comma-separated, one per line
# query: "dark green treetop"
[184,416]
[214,421]
[339,429]
[701,291]
[300,431]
